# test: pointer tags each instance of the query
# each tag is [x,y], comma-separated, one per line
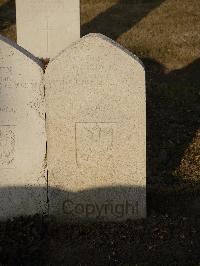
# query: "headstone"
[22,133]
[47,27]
[96,128]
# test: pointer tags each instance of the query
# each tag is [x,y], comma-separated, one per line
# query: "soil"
[158,240]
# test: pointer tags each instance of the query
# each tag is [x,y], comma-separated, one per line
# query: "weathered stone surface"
[47,27]
[22,132]
[96,128]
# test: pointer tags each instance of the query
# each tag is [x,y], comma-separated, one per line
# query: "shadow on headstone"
[16,202]
[99,204]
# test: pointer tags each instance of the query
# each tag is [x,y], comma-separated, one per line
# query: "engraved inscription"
[7,109]
[94,143]
[7,146]
[5,75]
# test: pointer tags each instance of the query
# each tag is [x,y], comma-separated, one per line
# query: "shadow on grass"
[156,241]
[120,17]
[115,21]
[173,109]
[7,15]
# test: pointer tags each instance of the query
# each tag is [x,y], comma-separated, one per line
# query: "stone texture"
[96,128]
[47,27]
[22,133]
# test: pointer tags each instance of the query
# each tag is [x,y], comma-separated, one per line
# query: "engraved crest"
[94,143]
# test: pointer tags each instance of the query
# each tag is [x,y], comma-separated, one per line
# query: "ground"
[165,34]
[159,240]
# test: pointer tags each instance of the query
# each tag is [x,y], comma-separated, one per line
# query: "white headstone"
[46,27]
[22,133]
[96,128]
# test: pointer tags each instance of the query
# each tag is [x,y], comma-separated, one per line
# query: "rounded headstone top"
[20,50]
[94,41]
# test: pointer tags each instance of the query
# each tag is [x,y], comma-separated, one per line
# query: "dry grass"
[166,35]
[166,30]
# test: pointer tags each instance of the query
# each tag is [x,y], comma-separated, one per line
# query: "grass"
[165,34]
